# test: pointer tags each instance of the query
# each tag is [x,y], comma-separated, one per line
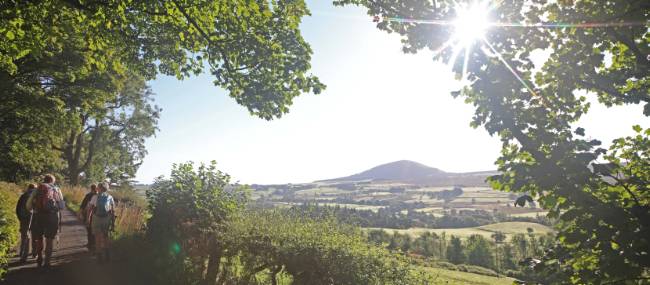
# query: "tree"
[253,48]
[455,253]
[498,237]
[508,261]
[544,153]
[109,140]
[521,243]
[425,244]
[60,116]
[478,251]
[189,210]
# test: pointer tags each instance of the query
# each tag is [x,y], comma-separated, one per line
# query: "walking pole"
[30,241]
[58,242]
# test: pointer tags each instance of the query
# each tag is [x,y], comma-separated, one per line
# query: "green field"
[508,228]
[320,191]
[353,206]
[444,276]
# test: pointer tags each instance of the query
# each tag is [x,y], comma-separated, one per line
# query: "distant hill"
[407,171]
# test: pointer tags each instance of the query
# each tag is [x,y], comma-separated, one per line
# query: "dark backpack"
[21,207]
[44,200]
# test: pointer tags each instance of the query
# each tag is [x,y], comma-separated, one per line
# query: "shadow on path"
[72,264]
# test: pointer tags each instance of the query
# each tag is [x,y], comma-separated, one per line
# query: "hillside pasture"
[508,228]
[444,276]
[530,214]
[320,191]
[353,206]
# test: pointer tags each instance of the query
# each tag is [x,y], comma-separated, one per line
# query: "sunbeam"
[512,70]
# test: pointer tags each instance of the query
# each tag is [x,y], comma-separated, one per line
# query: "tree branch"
[638,55]
[611,91]
[91,146]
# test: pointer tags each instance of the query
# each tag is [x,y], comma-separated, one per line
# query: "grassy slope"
[444,276]
[509,228]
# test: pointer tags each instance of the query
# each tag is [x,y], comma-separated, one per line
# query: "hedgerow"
[9,194]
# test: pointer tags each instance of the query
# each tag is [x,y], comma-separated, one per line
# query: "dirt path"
[71,262]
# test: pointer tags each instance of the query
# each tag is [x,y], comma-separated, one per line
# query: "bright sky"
[380,105]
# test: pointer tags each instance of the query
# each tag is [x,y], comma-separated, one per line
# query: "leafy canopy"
[603,208]
[254,49]
[58,116]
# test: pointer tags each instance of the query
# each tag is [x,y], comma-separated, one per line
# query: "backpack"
[21,209]
[103,206]
[44,200]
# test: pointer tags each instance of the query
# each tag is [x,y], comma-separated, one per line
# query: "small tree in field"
[455,251]
[498,237]
[478,251]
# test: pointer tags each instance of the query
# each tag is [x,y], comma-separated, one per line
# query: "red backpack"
[45,201]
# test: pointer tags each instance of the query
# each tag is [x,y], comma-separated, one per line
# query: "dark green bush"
[313,251]
[476,269]
[445,265]
[188,214]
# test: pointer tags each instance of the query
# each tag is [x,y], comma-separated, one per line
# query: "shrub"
[188,214]
[9,194]
[445,265]
[311,251]
[476,269]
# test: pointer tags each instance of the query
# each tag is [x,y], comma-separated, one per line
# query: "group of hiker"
[39,212]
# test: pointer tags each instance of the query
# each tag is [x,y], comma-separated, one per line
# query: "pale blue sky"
[380,105]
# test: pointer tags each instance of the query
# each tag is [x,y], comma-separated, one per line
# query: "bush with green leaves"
[310,251]
[476,270]
[199,235]
[189,211]
[9,194]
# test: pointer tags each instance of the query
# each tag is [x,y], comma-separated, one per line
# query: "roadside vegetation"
[200,231]
[9,235]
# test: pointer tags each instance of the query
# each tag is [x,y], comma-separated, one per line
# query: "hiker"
[25,218]
[84,210]
[102,210]
[46,202]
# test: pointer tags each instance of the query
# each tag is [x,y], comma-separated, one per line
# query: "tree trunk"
[274,275]
[213,265]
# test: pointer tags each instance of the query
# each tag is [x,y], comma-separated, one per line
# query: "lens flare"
[471,22]
[471,25]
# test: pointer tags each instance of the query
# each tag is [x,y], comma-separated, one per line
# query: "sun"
[471,23]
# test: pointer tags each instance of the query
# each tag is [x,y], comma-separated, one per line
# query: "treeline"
[404,216]
[498,253]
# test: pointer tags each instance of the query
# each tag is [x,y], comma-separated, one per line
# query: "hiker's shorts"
[24,227]
[45,225]
[100,225]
